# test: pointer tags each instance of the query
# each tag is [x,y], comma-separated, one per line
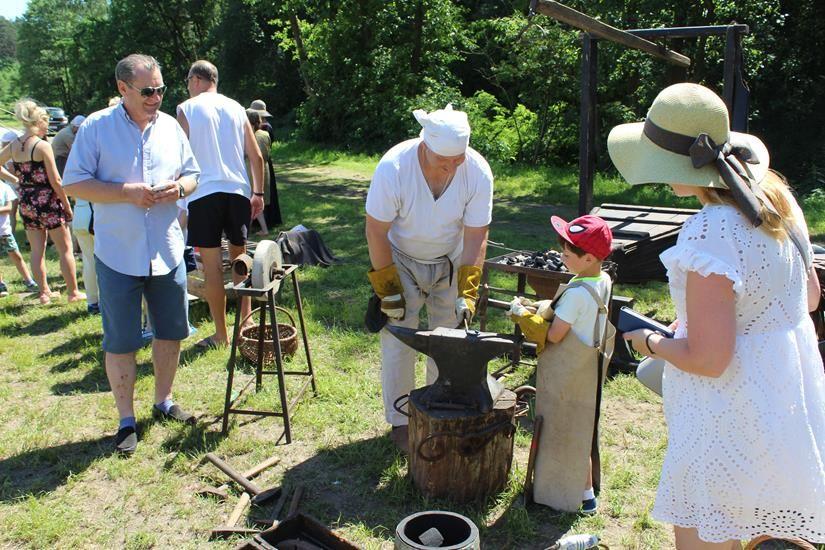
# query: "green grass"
[59,486]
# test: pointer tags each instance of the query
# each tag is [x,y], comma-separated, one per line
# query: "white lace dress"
[746,451]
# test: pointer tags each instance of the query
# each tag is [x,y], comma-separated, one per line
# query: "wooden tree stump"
[458,454]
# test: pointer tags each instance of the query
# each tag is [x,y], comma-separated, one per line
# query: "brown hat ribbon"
[728,158]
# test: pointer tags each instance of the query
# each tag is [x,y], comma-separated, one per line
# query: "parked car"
[57,119]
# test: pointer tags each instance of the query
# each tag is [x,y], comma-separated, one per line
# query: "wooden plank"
[574,18]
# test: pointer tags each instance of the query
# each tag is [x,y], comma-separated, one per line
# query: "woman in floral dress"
[44,206]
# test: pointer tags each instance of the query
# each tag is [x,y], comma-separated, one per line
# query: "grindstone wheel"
[265,263]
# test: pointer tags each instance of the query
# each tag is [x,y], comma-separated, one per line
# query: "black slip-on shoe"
[175,413]
[126,441]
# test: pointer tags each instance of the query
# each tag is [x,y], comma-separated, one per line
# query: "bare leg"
[165,356]
[215,294]
[589,484]
[20,264]
[120,369]
[62,239]
[688,539]
[37,240]
[262,222]
[246,307]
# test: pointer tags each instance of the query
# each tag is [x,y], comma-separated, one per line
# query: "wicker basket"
[287,334]
[765,542]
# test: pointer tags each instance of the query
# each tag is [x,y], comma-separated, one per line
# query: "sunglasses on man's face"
[149,91]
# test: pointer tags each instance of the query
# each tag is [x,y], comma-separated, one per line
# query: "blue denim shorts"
[120,307]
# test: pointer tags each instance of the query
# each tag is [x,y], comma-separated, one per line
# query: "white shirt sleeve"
[383,200]
[572,305]
[479,210]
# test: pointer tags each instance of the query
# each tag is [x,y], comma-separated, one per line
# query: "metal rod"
[230,367]
[598,29]
[299,305]
[728,81]
[688,32]
[280,367]
[296,500]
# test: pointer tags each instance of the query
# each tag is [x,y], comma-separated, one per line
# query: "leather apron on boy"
[569,379]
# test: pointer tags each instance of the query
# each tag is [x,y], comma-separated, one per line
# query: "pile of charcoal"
[548,260]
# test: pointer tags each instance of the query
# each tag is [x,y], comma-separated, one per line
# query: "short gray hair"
[126,67]
[205,70]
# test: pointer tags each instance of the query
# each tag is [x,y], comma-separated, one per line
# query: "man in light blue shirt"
[134,163]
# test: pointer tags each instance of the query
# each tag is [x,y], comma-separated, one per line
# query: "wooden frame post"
[587,122]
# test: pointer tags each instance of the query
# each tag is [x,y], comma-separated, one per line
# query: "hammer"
[259,495]
[220,492]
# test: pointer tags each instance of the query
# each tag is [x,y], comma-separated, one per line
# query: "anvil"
[461,357]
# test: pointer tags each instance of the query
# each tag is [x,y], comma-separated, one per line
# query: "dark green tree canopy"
[350,72]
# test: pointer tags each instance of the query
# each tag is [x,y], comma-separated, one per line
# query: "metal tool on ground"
[296,501]
[576,542]
[262,284]
[531,459]
[221,492]
[272,519]
[461,357]
[298,532]
[260,496]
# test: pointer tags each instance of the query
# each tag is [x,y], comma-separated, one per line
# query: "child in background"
[8,245]
[570,370]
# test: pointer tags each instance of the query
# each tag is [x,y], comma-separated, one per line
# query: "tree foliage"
[349,72]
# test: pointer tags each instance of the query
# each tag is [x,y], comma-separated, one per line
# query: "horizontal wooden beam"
[598,29]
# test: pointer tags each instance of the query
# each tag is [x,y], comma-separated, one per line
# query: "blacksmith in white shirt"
[134,163]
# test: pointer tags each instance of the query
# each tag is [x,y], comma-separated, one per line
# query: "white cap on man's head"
[10,135]
[78,120]
[445,131]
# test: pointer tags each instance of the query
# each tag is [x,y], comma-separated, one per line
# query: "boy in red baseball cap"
[571,369]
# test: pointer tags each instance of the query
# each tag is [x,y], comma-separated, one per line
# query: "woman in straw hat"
[744,390]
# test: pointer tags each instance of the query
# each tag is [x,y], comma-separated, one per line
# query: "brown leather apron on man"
[569,380]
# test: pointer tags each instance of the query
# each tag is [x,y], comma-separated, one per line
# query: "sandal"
[208,343]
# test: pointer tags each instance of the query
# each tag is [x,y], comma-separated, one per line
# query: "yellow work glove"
[469,278]
[387,285]
[543,308]
[533,326]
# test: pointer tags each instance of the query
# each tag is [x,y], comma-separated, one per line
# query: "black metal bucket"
[458,532]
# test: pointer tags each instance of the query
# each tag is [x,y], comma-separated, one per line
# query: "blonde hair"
[778,192]
[29,113]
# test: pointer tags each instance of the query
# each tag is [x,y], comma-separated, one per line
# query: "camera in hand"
[633,320]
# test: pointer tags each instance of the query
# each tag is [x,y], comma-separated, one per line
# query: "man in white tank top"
[428,210]
[224,202]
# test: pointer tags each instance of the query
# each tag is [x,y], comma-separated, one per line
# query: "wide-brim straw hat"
[690,110]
